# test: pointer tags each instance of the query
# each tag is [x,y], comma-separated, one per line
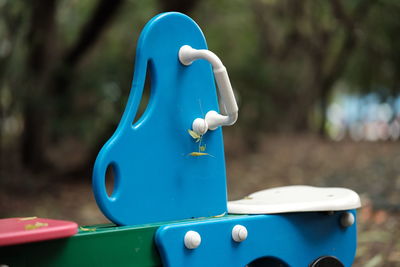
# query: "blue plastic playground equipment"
[170,176]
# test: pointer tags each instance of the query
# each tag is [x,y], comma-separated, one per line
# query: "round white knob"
[347,219]
[200,126]
[239,233]
[185,55]
[192,239]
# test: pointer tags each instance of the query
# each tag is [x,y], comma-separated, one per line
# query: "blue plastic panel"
[155,177]
[296,239]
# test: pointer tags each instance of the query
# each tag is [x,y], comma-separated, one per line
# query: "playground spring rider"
[169,203]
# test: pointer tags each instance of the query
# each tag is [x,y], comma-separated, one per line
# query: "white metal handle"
[227,105]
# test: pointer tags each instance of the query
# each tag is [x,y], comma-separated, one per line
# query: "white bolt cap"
[192,239]
[200,126]
[185,55]
[239,233]
[347,219]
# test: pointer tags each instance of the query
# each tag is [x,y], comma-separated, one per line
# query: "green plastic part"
[97,245]
[101,245]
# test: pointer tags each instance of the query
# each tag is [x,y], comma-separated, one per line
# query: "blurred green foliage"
[66,66]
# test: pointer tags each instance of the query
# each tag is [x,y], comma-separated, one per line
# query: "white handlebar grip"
[213,119]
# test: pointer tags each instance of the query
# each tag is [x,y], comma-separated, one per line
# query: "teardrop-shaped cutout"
[110,180]
[146,95]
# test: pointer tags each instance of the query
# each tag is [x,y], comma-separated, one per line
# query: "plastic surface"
[24,230]
[296,198]
[156,177]
[100,246]
[297,239]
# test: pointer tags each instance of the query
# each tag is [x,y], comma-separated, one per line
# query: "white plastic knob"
[186,55]
[239,233]
[192,239]
[347,219]
[200,126]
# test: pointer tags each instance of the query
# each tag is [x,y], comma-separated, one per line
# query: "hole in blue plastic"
[111,180]
[327,261]
[267,261]
[144,102]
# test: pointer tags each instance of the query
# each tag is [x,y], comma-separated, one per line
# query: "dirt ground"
[371,169]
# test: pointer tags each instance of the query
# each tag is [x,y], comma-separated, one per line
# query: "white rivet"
[200,126]
[347,219]
[185,55]
[239,233]
[192,239]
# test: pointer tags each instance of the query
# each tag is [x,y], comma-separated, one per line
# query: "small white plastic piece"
[239,233]
[227,105]
[192,240]
[347,219]
[200,126]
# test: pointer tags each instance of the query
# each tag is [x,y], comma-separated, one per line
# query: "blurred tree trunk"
[40,38]
[306,33]
[63,74]
[53,77]
[50,74]
[333,71]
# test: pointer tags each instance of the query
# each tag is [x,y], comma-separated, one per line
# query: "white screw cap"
[239,233]
[347,219]
[192,239]
[185,55]
[200,126]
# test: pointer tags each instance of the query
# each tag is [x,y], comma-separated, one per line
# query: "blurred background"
[317,82]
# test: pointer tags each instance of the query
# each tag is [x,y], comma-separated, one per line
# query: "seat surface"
[32,229]
[297,198]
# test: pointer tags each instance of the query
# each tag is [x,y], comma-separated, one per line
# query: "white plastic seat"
[297,198]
